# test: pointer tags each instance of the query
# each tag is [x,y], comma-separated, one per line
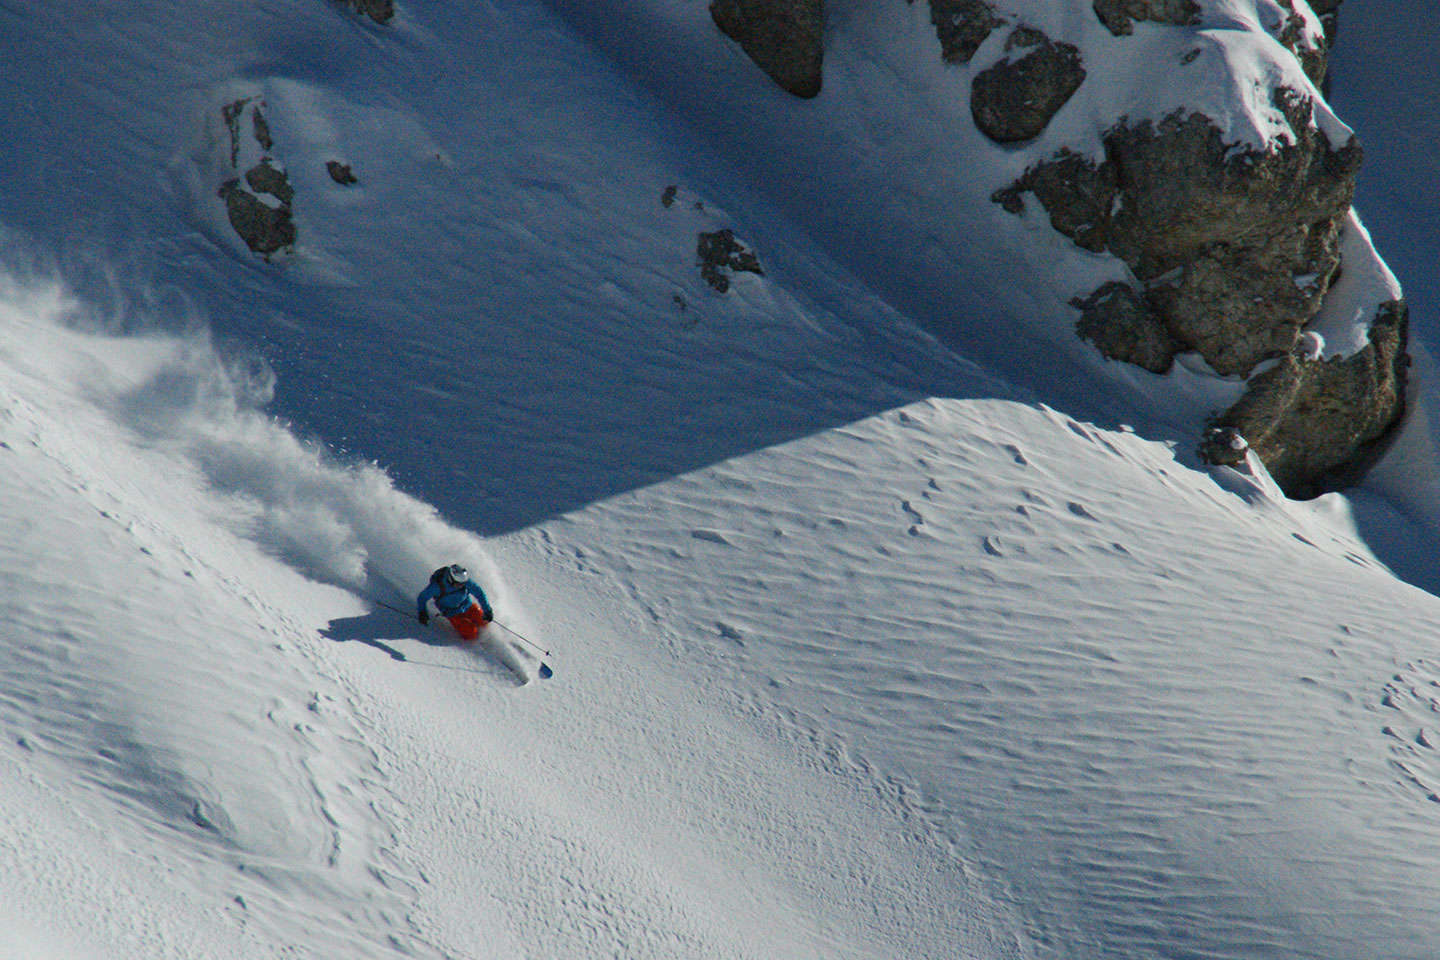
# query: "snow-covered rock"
[1317,424]
[1218,199]
[962,26]
[1214,233]
[256,192]
[1119,16]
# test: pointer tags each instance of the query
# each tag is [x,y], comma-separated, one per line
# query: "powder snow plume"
[340,523]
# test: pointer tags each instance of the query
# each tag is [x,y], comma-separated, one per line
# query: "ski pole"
[545,672]
[545,668]
[497,623]
[514,634]
[405,613]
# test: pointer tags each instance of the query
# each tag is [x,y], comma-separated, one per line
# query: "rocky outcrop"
[1013,100]
[1222,446]
[1234,247]
[783,37]
[1123,326]
[962,25]
[341,173]
[265,229]
[381,11]
[1119,16]
[719,254]
[257,201]
[266,178]
[1312,421]
[1329,13]
[1312,52]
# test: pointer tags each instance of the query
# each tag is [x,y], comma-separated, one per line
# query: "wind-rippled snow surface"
[1171,719]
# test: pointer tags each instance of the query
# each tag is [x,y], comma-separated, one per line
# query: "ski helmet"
[457,573]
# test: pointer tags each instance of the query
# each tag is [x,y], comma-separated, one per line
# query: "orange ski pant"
[470,623]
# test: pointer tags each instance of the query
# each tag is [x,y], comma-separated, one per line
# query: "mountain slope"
[863,648]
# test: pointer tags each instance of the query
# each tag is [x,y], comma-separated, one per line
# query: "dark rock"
[378,10]
[1015,99]
[260,127]
[720,251]
[1119,16]
[1123,326]
[341,173]
[1077,193]
[264,228]
[962,26]
[264,178]
[1309,419]
[783,37]
[1218,235]
[1223,446]
[231,113]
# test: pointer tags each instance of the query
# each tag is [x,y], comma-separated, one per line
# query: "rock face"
[1119,16]
[1235,248]
[1223,446]
[718,253]
[783,37]
[1232,250]
[1309,420]
[1230,247]
[962,25]
[264,178]
[258,201]
[1014,100]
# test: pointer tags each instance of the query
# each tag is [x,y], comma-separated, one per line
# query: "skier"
[459,600]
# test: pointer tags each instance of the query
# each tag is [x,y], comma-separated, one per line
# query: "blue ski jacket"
[452,599]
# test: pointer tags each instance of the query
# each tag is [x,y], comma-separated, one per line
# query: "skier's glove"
[424,616]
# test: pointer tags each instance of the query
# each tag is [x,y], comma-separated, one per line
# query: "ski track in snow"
[272,772]
[169,721]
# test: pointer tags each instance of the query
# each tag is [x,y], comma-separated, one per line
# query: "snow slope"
[862,649]
[188,699]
